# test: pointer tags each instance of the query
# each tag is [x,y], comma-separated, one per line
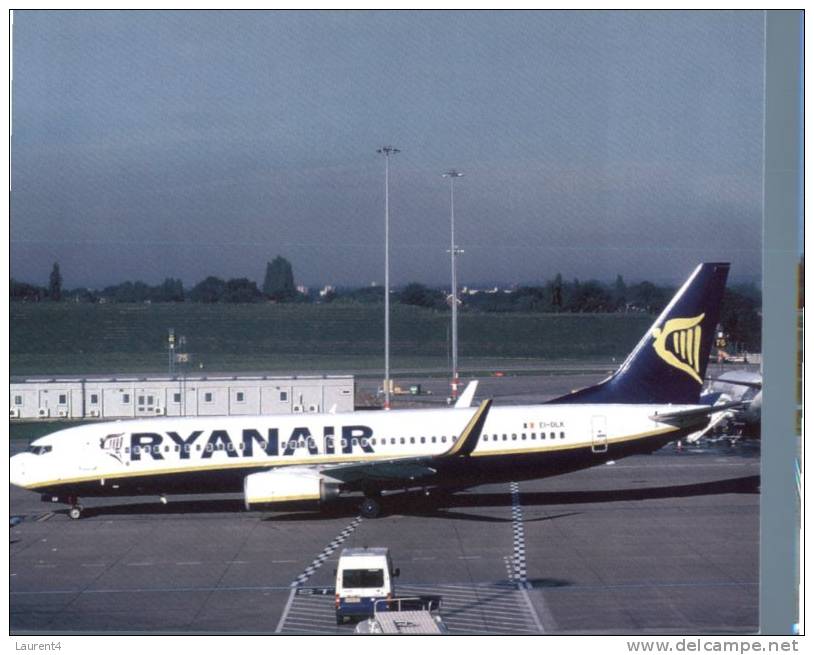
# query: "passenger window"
[423,440]
[505,437]
[283,396]
[433,439]
[552,435]
[402,441]
[443,439]
[412,439]
[533,435]
[126,398]
[166,449]
[523,436]
[562,435]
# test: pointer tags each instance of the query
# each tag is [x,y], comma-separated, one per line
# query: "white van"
[363,576]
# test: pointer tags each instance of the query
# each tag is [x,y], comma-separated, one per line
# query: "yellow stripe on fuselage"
[314,460]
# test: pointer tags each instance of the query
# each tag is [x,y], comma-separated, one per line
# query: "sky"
[151,144]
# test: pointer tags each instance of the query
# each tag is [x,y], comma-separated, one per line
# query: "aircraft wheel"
[75,512]
[370,508]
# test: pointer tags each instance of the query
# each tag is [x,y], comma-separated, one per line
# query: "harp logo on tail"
[679,344]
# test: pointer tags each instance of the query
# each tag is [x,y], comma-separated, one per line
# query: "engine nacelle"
[282,485]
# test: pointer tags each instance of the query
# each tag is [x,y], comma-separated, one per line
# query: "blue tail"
[669,363]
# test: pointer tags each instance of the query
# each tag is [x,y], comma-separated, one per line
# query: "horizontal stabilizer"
[696,416]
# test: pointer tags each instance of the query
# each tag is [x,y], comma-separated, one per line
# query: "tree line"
[740,311]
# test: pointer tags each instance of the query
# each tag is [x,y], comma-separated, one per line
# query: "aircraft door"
[599,435]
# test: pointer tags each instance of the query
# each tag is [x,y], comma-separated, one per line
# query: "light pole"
[387,151]
[452,174]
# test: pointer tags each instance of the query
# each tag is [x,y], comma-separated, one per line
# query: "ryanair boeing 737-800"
[652,399]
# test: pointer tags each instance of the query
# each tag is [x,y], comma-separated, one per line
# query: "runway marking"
[140,564]
[519,543]
[94,565]
[44,517]
[519,557]
[303,577]
[188,563]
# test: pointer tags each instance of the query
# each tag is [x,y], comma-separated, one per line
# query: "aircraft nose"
[16,472]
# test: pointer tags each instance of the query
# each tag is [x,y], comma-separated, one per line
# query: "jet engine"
[287,485]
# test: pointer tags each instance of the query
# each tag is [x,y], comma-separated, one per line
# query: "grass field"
[69,338]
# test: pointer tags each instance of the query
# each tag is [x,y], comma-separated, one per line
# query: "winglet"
[468,439]
[465,399]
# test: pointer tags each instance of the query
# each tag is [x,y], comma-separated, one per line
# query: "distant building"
[136,397]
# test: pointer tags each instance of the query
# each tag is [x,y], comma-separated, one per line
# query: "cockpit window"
[39,450]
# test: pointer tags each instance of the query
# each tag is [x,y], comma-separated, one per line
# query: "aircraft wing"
[412,468]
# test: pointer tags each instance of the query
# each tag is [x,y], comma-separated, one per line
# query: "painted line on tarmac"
[303,577]
[519,573]
[574,588]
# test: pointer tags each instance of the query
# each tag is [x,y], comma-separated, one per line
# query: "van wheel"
[370,508]
[75,512]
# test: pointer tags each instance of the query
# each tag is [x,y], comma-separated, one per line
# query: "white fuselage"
[106,455]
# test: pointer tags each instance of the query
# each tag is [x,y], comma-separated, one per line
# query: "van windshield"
[362,578]
[39,450]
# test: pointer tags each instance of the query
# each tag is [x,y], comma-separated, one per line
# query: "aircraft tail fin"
[669,363]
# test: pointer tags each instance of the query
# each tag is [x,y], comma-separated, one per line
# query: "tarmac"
[659,544]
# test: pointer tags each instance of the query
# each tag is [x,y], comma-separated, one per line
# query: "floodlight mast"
[387,151]
[452,174]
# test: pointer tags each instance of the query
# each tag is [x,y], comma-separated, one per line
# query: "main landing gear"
[75,512]
[371,506]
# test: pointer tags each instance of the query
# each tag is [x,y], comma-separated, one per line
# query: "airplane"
[651,400]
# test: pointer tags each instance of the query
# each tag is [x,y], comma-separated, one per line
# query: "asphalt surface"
[666,543]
